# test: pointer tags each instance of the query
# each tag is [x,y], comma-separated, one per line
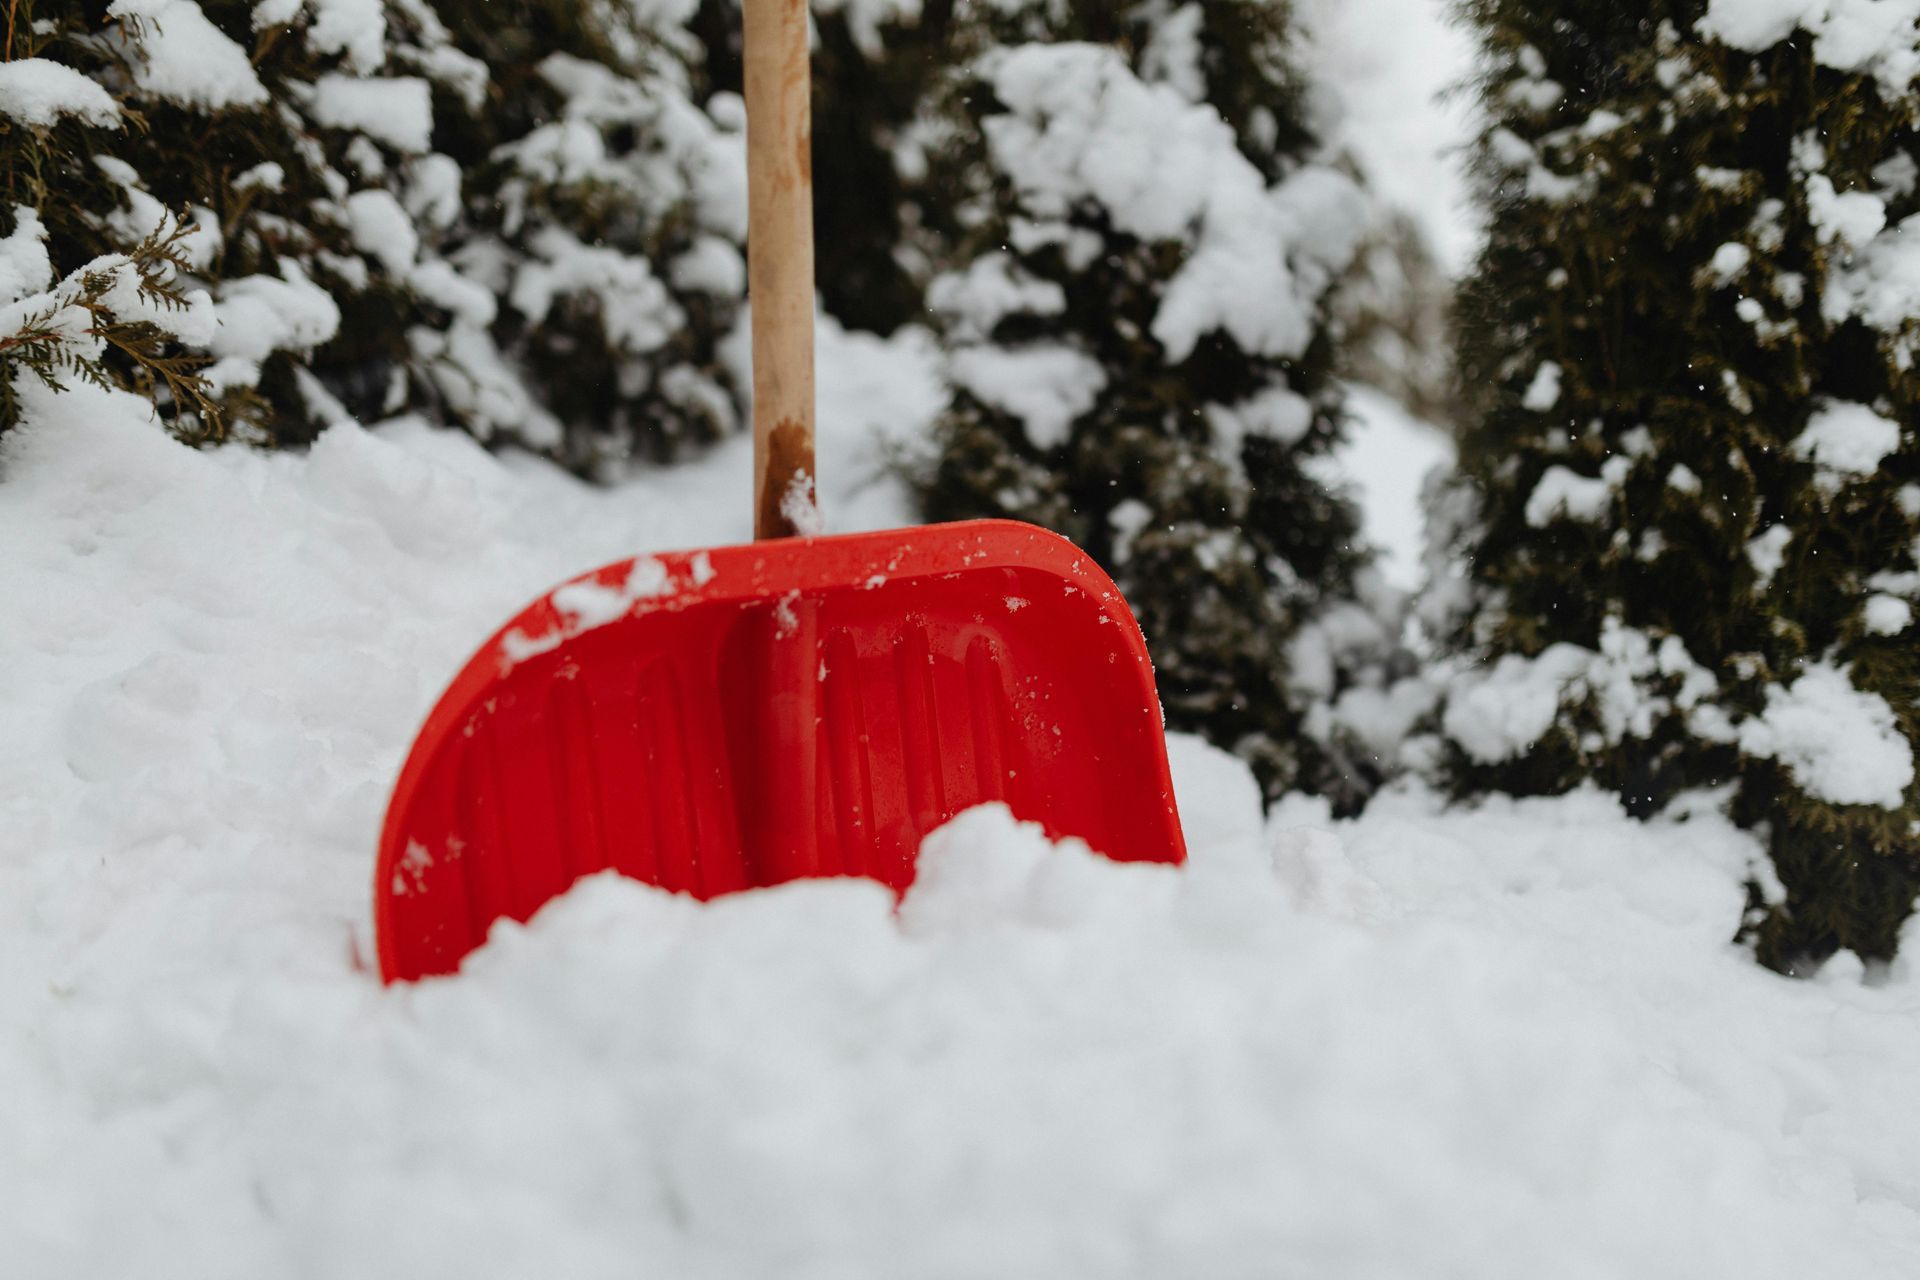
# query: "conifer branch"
[75,331]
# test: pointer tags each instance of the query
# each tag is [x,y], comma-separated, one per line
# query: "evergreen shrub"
[1139,240]
[1693,480]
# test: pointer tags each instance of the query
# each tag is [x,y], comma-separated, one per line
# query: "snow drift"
[1510,1042]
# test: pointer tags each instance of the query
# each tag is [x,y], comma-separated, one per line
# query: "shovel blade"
[719,720]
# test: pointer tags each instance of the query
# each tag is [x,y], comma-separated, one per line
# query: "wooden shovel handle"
[780,258]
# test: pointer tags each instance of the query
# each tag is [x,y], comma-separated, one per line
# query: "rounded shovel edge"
[674,580]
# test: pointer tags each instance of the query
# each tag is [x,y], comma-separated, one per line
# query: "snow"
[1080,127]
[463,74]
[38,93]
[633,305]
[440,283]
[470,372]
[1393,71]
[431,190]
[142,215]
[1496,714]
[713,265]
[1508,1041]
[1885,615]
[1045,385]
[691,154]
[992,287]
[1173,53]
[128,301]
[1502,1042]
[395,110]
[268,175]
[800,509]
[1379,717]
[1881,284]
[113,281]
[1840,743]
[262,314]
[1729,260]
[1566,494]
[357,28]
[1273,413]
[182,57]
[1768,551]
[382,230]
[583,606]
[1867,36]
[1544,391]
[1630,683]
[1853,218]
[1846,441]
[865,18]
[1386,460]
[25,267]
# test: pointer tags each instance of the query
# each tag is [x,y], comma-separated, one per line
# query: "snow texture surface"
[38,92]
[1846,441]
[1080,127]
[1387,457]
[182,57]
[1875,37]
[1394,69]
[1046,386]
[1629,683]
[1503,1043]
[1841,744]
[395,110]
[1566,494]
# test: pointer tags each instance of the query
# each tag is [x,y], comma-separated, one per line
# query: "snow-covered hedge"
[1141,247]
[1694,531]
[514,216]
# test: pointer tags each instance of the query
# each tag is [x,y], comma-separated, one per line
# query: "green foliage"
[1662,312]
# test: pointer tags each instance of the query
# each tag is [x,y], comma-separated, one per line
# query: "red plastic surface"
[712,721]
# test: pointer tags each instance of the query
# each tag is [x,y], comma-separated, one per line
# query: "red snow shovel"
[801,706]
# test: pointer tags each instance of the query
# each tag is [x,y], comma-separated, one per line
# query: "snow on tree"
[279,136]
[379,223]
[1695,483]
[1134,322]
[605,214]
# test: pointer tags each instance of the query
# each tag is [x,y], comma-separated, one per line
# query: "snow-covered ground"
[1385,462]
[1509,1042]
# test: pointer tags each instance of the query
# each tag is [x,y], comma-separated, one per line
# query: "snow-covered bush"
[91,265]
[514,217]
[1693,528]
[1133,314]
[604,217]
[278,135]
